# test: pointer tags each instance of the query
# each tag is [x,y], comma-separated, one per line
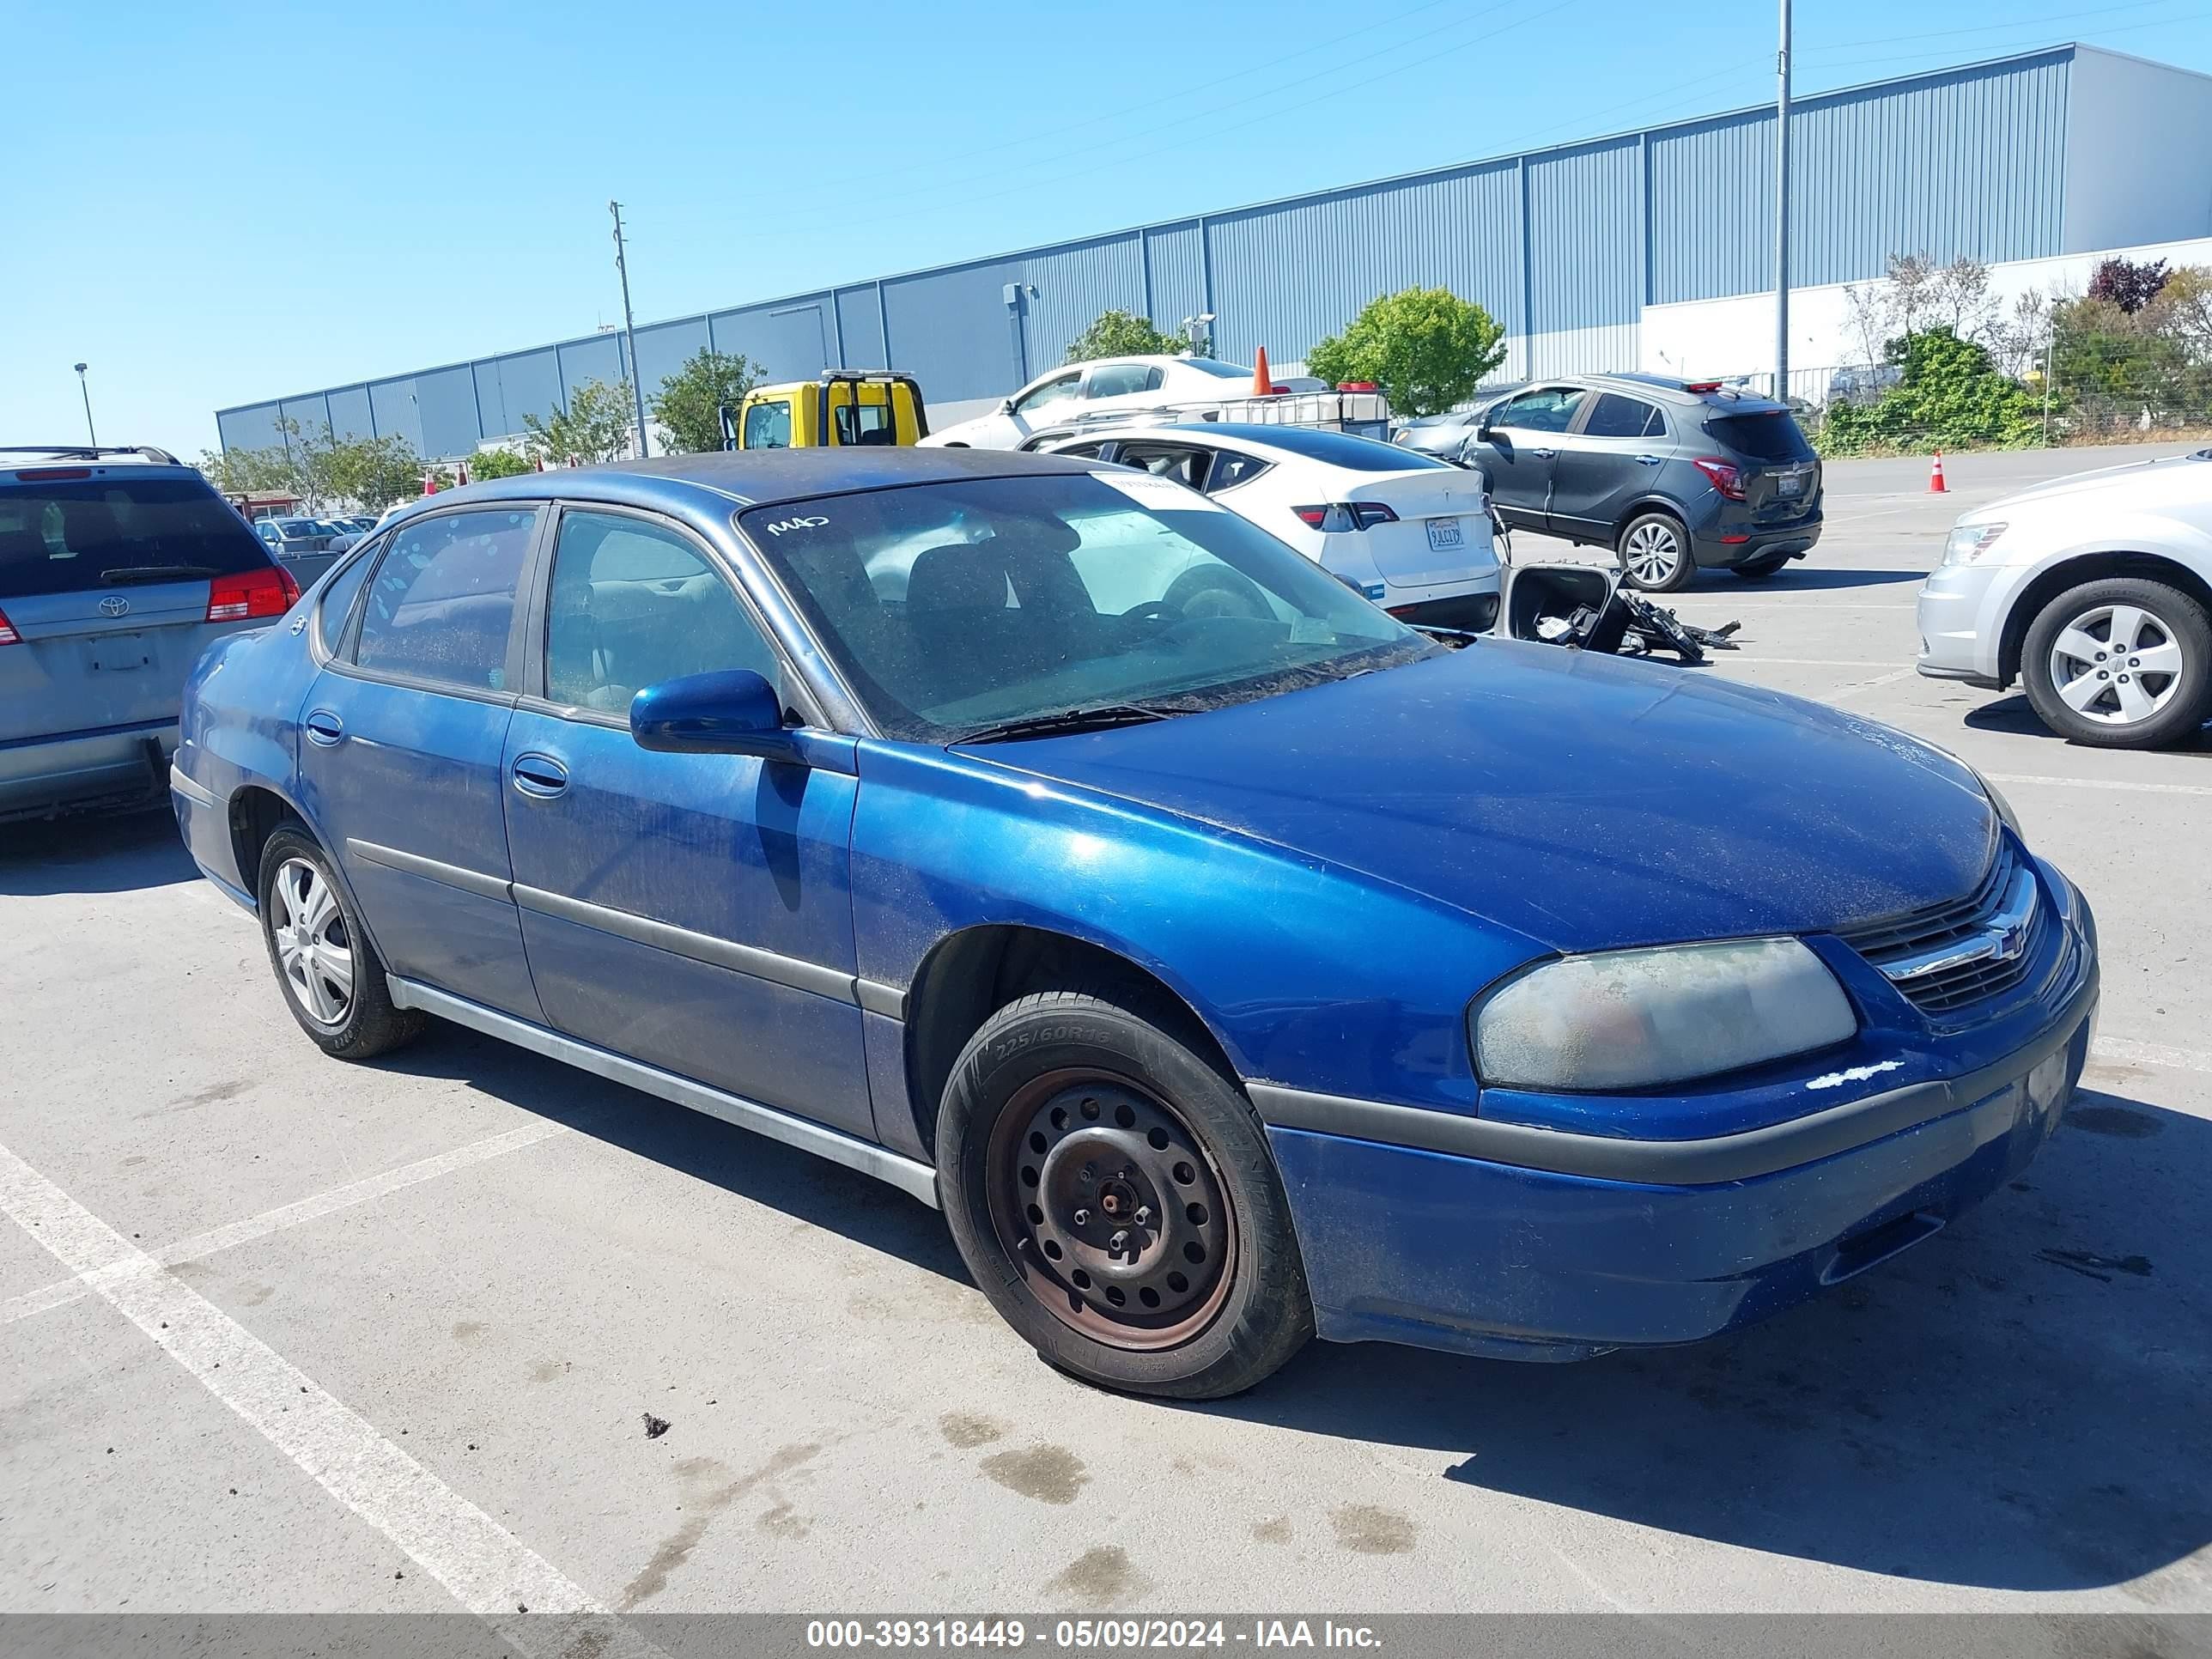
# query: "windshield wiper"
[1089,717]
[129,575]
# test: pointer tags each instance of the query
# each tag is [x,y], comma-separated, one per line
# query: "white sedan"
[1411,532]
[2095,591]
[1108,389]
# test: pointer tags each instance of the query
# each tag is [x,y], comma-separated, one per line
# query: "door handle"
[324,727]
[539,776]
[1544,455]
[1650,460]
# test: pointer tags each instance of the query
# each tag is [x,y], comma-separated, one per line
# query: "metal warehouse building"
[1648,249]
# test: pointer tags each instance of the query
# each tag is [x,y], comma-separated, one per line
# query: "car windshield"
[64,536]
[956,606]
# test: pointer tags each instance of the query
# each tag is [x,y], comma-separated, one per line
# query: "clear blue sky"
[214,205]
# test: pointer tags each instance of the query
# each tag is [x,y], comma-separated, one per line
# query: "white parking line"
[2122,1052]
[2100,784]
[64,1291]
[1722,658]
[491,1572]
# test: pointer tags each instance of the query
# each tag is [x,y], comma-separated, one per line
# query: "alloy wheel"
[314,947]
[1113,1208]
[2118,664]
[1651,553]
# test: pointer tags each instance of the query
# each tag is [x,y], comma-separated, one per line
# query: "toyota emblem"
[115,605]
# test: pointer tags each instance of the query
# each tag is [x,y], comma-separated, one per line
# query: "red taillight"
[50,474]
[1722,474]
[252,594]
[1701,385]
[1346,515]
[8,634]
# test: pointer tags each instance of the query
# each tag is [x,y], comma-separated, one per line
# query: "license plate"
[118,653]
[1445,536]
[1791,483]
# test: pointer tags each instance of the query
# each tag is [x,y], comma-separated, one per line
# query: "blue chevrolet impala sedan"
[1231,963]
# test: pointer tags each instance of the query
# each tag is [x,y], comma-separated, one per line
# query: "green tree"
[372,473]
[689,404]
[1951,397]
[1122,334]
[497,464]
[594,425]
[1425,347]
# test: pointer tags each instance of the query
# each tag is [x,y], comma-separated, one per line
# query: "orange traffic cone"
[1263,385]
[1935,484]
[429,483]
[463,472]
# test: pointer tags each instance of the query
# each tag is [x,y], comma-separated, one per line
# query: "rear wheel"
[1114,1196]
[2124,663]
[1654,553]
[332,980]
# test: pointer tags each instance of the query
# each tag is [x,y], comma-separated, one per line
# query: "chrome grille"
[1950,956]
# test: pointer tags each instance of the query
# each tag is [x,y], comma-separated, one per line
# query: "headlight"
[1629,1020]
[1968,542]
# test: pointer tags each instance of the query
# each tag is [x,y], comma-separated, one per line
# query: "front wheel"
[1114,1196]
[1654,553]
[2124,663]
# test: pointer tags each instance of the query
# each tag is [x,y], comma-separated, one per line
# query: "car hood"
[2122,478]
[1583,801]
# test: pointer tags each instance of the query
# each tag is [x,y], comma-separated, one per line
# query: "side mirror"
[1006,406]
[733,712]
[1482,432]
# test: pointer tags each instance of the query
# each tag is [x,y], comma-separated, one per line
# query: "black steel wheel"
[1113,1193]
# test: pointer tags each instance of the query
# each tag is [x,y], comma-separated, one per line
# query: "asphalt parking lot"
[286,1334]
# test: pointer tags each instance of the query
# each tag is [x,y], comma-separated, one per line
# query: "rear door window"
[1122,379]
[1616,416]
[442,600]
[1771,436]
[70,535]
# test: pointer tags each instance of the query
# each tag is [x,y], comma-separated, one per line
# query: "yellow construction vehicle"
[839,406]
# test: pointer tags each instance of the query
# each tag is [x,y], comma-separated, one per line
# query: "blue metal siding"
[394,404]
[1564,246]
[1712,209]
[950,330]
[1585,254]
[1178,272]
[1074,285]
[662,350]
[2119,110]
[1285,275]
[349,417]
[445,401]
[863,325]
[253,426]
[1967,164]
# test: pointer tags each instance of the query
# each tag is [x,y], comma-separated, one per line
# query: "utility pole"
[1782,212]
[91,437]
[629,327]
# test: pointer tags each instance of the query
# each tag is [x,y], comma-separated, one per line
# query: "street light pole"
[1782,212]
[630,328]
[91,437]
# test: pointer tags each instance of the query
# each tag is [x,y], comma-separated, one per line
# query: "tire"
[1210,1296]
[311,927]
[1758,570]
[1644,541]
[2159,692]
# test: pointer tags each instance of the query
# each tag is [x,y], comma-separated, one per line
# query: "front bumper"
[1499,1239]
[1959,625]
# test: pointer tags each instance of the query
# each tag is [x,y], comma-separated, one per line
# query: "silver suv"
[116,568]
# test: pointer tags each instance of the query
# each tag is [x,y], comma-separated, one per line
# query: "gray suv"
[1672,474]
[116,568]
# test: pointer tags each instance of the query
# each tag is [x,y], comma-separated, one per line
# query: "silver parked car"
[118,567]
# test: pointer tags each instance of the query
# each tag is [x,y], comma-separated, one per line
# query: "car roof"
[1668,388]
[761,477]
